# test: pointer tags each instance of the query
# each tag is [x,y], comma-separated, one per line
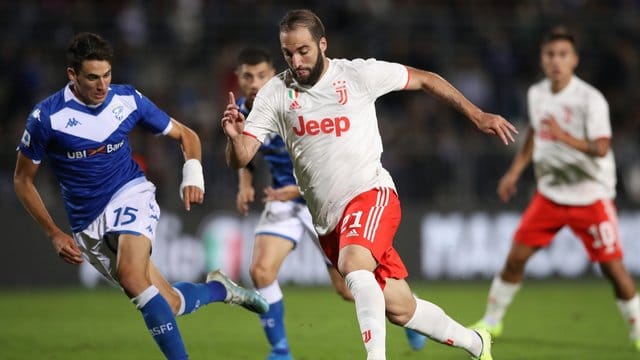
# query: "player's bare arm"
[284,193]
[246,191]
[28,194]
[507,184]
[192,187]
[240,148]
[596,148]
[441,88]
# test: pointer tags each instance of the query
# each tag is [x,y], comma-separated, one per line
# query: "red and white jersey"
[565,175]
[331,131]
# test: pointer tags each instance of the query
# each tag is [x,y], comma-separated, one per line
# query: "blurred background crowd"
[181,54]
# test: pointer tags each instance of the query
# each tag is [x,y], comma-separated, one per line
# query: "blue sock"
[273,324]
[161,323]
[196,295]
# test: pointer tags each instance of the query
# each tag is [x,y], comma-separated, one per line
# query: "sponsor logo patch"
[335,126]
[26,139]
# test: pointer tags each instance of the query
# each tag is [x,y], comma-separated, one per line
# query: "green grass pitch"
[559,319]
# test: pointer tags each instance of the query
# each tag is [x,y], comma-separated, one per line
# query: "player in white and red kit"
[324,109]
[569,144]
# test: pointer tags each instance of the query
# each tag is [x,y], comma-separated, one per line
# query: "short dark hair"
[88,46]
[303,18]
[254,56]
[559,33]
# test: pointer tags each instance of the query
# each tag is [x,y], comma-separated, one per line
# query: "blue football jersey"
[274,152]
[88,147]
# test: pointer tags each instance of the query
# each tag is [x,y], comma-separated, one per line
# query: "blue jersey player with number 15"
[82,131]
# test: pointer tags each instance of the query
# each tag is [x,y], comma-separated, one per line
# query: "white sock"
[630,310]
[144,297]
[432,321]
[370,311]
[272,292]
[500,296]
[183,302]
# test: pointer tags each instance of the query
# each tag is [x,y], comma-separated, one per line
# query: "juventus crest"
[341,89]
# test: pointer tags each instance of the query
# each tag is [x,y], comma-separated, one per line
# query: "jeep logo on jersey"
[104,149]
[337,125]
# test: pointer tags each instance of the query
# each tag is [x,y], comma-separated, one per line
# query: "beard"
[314,74]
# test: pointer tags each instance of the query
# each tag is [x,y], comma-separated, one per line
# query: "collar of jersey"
[570,85]
[72,100]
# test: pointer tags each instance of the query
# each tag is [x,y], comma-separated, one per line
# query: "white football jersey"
[331,131]
[565,175]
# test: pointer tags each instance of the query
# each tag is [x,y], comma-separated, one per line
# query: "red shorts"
[596,225]
[370,220]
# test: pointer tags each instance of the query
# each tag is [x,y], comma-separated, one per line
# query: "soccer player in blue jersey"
[82,130]
[285,219]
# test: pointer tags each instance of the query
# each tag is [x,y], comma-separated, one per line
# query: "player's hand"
[66,248]
[245,197]
[192,195]
[507,186]
[551,126]
[232,119]
[284,193]
[496,125]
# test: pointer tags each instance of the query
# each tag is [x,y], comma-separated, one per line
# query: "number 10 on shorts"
[604,235]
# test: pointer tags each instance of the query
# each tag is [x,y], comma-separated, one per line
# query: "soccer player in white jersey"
[324,109]
[569,143]
[285,220]
[82,130]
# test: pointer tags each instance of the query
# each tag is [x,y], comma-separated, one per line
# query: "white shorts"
[132,210]
[287,219]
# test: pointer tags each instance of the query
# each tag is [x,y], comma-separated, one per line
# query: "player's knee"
[262,274]
[174,300]
[399,318]
[400,304]
[133,284]
[347,265]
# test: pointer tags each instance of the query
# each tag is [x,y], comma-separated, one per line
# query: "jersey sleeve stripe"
[168,128]
[408,78]
[249,134]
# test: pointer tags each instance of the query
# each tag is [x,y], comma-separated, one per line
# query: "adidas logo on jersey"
[72,122]
[294,106]
[352,233]
[293,95]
